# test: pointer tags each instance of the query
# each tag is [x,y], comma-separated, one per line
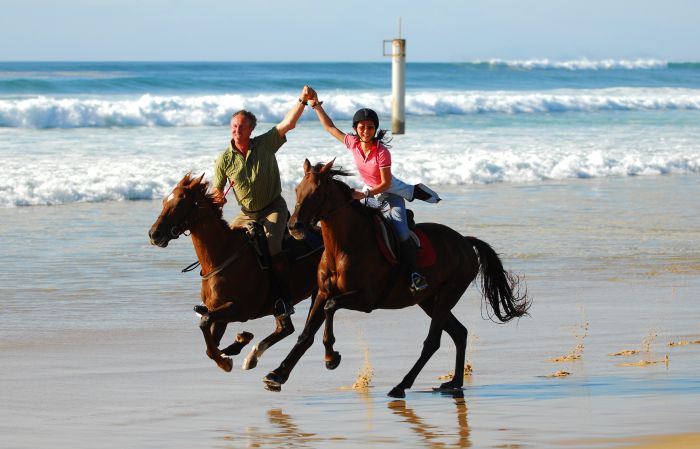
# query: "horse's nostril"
[298,225]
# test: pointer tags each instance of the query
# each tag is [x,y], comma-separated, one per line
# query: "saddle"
[293,248]
[388,241]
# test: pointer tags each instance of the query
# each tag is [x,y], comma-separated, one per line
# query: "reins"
[336,209]
[225,264]
[185,225]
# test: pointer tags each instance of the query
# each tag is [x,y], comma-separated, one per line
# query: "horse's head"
[314,197]
[180,210]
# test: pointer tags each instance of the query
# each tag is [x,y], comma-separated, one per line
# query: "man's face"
[240,129]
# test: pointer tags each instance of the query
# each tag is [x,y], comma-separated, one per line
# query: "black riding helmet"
[365,114]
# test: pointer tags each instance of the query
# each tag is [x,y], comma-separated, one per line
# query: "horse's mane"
[346,190]
[200,186]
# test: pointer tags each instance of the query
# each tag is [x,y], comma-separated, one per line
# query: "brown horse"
[353,274]
[235,287]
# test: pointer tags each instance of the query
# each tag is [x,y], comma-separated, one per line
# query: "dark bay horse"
[353,274]
[235,288]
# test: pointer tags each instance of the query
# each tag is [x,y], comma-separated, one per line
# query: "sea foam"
[214,110]
[578,64]
[114,174]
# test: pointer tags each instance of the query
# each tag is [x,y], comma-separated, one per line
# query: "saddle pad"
[426,252]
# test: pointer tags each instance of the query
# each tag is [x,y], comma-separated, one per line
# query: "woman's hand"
[360,195]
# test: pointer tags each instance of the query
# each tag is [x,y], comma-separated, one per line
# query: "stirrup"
[418,283]
[283,308]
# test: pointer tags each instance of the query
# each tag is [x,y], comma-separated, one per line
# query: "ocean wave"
[215,110]
[150,177]
[576,64]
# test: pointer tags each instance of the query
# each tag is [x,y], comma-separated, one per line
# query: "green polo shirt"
[256,178]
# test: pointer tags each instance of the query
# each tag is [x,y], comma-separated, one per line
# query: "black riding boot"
[281,277]
[417,280]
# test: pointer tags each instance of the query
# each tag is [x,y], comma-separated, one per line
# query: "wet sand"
[100,348]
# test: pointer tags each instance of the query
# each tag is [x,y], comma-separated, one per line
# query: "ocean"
[94,132]
[583,175]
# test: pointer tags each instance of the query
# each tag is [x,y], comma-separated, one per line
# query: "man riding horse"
[250,165]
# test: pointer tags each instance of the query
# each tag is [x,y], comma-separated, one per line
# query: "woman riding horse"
[355,275]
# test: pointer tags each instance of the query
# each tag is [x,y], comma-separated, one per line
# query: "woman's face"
[365,130]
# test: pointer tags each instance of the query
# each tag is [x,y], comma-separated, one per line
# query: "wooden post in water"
[398,83]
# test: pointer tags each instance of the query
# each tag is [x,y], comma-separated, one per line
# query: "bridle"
[186,223]
[326,196]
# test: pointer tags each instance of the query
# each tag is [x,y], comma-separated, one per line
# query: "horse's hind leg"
[459,334]
[430,346]
[283,329]
[439,309]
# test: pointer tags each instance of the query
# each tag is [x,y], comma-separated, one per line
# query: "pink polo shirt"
[378,157]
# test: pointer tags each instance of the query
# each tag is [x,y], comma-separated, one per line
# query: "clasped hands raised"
[310,97]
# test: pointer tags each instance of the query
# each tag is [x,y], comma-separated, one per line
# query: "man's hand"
[218,197]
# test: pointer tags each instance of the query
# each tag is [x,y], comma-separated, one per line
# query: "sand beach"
[100,348]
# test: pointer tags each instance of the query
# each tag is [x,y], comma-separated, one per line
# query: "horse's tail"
[499,287]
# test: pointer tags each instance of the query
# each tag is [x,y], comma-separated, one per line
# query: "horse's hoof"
[273,382]
[244,338]
[232,350]
[250,363]
[334,361]
[448,386]
[397,392]
[226,364]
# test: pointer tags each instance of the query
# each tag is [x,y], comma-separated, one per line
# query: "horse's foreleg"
[239,343]
[206,324]
[217,332]
[275,378]
[349,300]
[283,329]
[332,357]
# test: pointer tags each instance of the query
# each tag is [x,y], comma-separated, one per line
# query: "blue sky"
[328,30]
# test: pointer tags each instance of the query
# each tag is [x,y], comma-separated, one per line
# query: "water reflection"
[433,436]
[282,432]
[280,429]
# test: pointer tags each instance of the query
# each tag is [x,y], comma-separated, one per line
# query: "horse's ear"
[185,180]
[307,166]
[326,168]
[199,181]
